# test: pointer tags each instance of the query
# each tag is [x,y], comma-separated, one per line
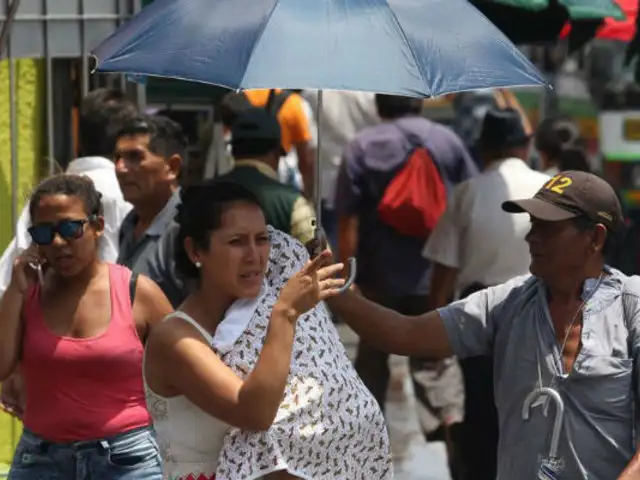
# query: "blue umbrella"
[405,47]
[417,48]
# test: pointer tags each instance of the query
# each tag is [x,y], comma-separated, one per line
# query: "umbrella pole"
[317,181]
[318,198]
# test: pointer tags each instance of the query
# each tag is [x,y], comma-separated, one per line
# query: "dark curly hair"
[395,106]
[73,186]
[555,134]
[574,158]
[200,213]
[102,113]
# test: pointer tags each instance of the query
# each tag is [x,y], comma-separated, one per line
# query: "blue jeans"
[132,455]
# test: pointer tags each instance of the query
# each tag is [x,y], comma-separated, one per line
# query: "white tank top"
[189,439]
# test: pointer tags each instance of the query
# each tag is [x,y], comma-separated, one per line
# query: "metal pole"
[12,10]
[13,135]
[141,88]
[121,12]
[84,77]
[49,93]
[317,179]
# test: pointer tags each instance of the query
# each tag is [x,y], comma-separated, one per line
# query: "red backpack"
[416,197]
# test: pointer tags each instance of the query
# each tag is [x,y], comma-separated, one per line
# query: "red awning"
[612,29]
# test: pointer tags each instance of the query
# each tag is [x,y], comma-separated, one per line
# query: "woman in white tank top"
[328,426]
[194,398]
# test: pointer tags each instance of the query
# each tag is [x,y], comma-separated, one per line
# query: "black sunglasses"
[68,229]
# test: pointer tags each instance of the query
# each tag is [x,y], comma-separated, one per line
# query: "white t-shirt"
[344,114]
[476,236]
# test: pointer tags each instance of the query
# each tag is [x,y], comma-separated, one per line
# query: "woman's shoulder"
[124,280]
[178,325]
[138,284]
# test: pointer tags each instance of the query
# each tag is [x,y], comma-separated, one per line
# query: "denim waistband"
[122,440]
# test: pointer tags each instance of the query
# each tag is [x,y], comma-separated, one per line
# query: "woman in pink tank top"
[70,323]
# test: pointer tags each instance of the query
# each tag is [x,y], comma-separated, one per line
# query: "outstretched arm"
[466,328]
[179,360]
[380,327]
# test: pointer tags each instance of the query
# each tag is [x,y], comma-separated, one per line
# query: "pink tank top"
[83,389]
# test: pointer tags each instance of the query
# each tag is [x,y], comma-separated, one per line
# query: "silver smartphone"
[38,268]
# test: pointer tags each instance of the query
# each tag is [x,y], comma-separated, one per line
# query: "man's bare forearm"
[390,331]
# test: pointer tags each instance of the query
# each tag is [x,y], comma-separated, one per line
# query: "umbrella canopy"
[405,47]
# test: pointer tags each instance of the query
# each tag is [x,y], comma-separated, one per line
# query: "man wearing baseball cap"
[565,339]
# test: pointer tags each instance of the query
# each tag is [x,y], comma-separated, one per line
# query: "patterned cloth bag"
[329,427]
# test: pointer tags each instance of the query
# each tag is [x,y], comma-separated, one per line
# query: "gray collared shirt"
[512,322]
[136,251]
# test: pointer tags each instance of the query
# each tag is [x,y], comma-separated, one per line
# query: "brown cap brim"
[538,209]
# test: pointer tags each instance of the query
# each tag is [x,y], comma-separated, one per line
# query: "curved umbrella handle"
[353,270]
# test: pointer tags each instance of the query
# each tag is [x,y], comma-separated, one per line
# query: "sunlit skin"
[562,256]
[559,249]
[68,257]
[232,262]
[235,263]
[75,294]
[142,174]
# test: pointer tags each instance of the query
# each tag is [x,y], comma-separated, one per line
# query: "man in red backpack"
[391,189]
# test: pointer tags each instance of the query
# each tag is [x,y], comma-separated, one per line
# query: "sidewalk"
[414,459]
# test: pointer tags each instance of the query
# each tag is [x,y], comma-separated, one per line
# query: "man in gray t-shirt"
[566,335]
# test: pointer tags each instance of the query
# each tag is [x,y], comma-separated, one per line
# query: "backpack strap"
[628,302]
[414,140]
[275,101]
[133,285]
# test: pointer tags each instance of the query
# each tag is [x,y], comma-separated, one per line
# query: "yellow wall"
[30,112]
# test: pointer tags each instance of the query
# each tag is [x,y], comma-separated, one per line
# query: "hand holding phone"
[27,269]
